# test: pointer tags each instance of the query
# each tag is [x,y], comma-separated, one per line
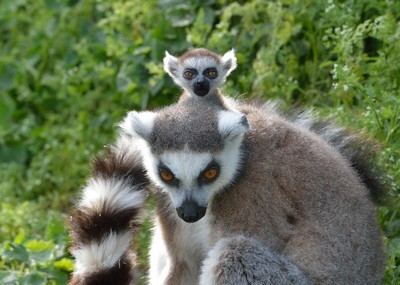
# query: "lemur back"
[244,195]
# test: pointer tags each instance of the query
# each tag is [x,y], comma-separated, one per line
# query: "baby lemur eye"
[211,73]
[189,73]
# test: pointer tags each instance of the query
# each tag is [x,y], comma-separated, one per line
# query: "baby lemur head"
[199,71]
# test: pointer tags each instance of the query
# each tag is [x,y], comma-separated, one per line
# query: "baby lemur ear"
[229,61]
[138,124]
[232,124]
[170,64]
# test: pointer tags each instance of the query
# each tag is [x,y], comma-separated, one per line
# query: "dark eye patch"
[204,177]
[211,72]
[167,176]
[189,73]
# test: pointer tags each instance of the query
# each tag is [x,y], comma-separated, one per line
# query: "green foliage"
[69,71]
[33,243]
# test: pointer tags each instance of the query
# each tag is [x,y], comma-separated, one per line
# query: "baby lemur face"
[201,78]
[187,158]
[199,71]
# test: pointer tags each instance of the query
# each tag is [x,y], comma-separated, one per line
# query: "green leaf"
[19,239]
[42,257]
[14,251]
[180,15]
[40,251]
[7,76]
[34,278]
[8,277]
[53,4]
[7,108]
[38,245]
[13,152]
[59,276]
[55,230]
[64,264]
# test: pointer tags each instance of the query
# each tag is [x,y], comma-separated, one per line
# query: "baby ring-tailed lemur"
[200,72]
[244,195]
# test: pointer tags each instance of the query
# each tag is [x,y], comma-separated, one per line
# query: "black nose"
[201,87]
[201,82]
[190,211]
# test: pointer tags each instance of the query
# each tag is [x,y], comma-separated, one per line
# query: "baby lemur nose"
[201,82]
[201,87]
[190,211]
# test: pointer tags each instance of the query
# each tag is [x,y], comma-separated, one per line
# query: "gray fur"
[194,125]
[238,257]
[356,148]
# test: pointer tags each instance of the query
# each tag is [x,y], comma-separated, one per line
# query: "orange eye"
[212,74]
[188,74]
[210,174]
[166,175]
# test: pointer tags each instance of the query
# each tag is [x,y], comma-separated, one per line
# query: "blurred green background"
[70,70]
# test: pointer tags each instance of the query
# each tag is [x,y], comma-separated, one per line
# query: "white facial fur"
[175,68]
[187,165]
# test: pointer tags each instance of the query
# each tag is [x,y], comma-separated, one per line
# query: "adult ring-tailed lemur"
[244,194]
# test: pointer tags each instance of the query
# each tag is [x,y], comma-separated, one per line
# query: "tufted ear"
[229,61]
[138,124]
[232,124]
[170,64]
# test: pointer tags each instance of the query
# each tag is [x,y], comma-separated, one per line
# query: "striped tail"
[104,220]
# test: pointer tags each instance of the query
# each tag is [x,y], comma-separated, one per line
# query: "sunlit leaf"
[64,264]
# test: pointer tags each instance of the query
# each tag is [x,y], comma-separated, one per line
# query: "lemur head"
[200,71]
[189,153]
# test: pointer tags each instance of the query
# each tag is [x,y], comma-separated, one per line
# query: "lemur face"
[200,71]
[201,80]
[193,178]
[190,179]
[190,171]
